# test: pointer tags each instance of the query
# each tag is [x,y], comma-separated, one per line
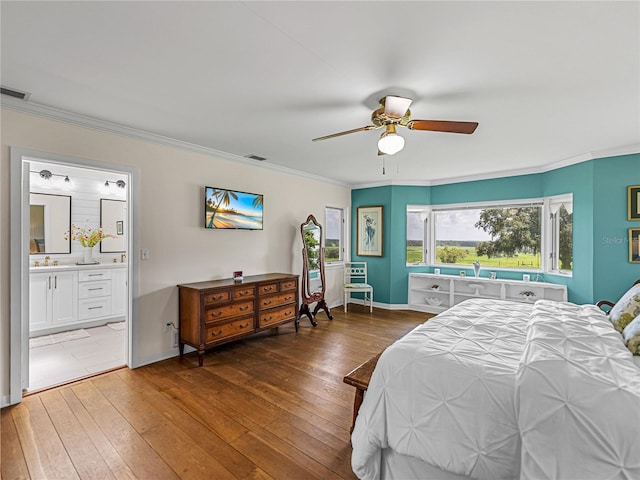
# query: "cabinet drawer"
[218,313]
[276,315]
[89,275]
[228,329]
[245,292]
[94,307]
[277,300]
[268,288]
[288,285]
[94,289]
[216,297]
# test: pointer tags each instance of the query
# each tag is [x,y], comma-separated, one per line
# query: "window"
[333,238]
[417,234]
[501,235]
[504,236]
[560,226]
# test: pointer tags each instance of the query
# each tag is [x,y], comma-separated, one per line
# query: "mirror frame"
[312,297]
[67,226]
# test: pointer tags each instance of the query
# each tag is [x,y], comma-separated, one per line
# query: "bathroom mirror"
[49,223]
[313,280]
[113,215]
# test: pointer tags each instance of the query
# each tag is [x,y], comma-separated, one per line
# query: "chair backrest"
[355,272]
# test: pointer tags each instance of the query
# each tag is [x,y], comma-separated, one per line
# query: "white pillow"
[626,309]
[632,329]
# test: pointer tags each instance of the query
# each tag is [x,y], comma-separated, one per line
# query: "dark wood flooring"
[269,407]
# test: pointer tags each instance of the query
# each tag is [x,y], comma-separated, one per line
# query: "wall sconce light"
[119,183]
[47,175]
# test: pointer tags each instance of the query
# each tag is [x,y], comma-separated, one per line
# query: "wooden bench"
[359,378]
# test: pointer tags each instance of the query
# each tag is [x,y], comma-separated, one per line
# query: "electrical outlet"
[167,328]
[175,338]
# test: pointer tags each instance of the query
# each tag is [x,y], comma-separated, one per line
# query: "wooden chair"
[355,280]
[609,304]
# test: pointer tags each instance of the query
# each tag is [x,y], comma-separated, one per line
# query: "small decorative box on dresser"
[220,311]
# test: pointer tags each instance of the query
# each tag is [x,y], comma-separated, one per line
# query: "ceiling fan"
[393,112]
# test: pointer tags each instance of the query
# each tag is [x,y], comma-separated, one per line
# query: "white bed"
[503,390]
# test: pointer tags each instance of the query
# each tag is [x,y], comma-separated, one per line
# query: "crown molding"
[117,129]
[606,153]
[70,118]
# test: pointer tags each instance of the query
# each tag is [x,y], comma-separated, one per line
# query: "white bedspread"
[486,383]
[445,393]
[578,392]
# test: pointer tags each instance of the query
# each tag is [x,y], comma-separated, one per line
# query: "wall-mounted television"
[231,209]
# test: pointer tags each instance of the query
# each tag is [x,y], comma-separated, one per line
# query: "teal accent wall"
[599,187]
[378,268]
[612,271]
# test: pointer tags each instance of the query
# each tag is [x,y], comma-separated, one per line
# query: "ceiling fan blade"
[442,126]
[333,135]
[396,107]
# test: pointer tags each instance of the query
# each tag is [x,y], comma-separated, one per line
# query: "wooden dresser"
[220,311]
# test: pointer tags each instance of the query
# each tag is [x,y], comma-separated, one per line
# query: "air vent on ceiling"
[256,157]
[11,92]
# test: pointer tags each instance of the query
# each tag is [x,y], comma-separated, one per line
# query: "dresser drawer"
[101,288]
[94,307]
[227,329]
[276,315]
[219,313]
[217,297]
[288,285]
[90,275]
[268,288]
[277,300]
[244,292]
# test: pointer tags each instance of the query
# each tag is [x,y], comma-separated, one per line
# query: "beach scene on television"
[232,209]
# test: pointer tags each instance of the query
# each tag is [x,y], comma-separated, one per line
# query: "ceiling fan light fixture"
[390,142]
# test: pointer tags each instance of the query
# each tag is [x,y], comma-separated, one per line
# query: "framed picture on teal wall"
[634,202]
[369,232]
[634,245]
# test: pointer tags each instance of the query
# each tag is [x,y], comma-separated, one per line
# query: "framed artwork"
[633,195]
[634,245]
[369,232]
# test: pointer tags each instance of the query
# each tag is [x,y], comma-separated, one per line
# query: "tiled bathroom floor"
[50,365]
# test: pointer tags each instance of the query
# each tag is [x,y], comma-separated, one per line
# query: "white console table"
[433,293]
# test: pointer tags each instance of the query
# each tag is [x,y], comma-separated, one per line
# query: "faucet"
[46,260]
[123,257]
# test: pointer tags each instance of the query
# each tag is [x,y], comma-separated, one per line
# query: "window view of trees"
[333,234]
[501,237]
[565,241]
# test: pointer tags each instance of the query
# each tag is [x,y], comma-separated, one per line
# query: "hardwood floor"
[270,407]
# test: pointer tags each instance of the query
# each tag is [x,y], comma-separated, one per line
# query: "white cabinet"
[435,293]
[52,299]
[94,292]
[69,297]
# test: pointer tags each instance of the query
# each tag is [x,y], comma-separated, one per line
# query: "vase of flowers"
[88,238]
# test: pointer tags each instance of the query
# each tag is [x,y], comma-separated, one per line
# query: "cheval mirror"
[313,283]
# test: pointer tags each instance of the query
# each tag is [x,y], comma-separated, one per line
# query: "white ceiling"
[550,83]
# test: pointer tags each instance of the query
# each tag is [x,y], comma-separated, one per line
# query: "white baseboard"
[383,306]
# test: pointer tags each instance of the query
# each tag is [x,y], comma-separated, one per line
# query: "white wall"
[171,217]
